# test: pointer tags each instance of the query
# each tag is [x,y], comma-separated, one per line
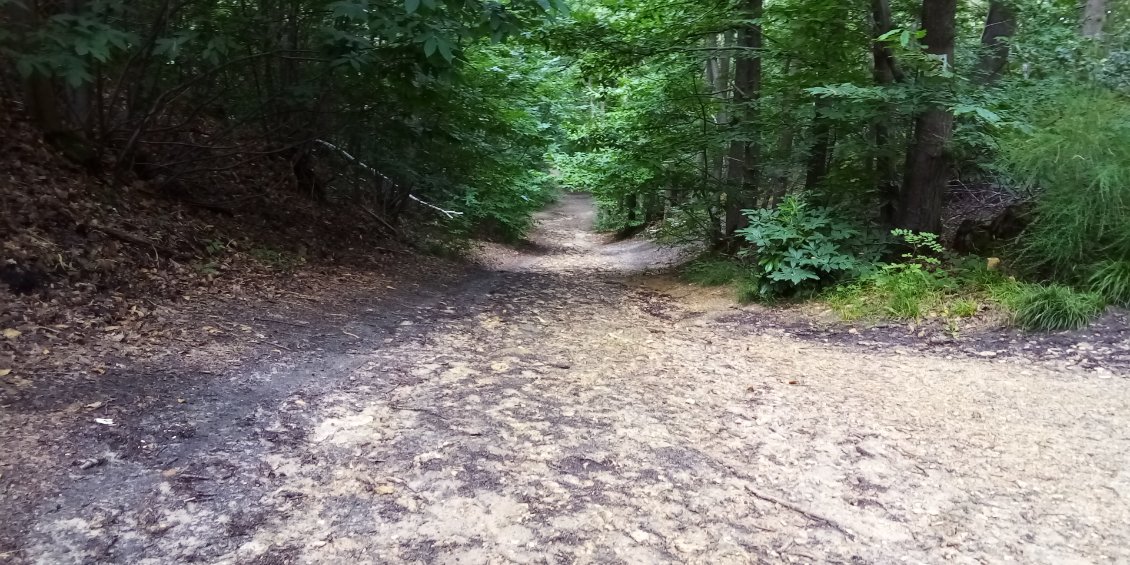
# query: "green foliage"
[278,260]
[1076,157]
[923,284]
[713,271]
[748,290]
[1111,280]
[800,248]
[1055,307]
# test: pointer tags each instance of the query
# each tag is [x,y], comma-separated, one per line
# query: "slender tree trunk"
[821,144]
[721,88]
[885,72]
[1000,26]
[1094,15]
[927,164]
[745,153]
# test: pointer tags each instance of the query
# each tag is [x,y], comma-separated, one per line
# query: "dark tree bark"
[1094,15]
[885,72]
[743,170]
[927,164]
[821,152]
[1000,26]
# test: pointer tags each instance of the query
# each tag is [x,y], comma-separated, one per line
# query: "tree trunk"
[927,164]
[999,28]
[821,145]
[744,153]
[885,72]
[721,86]
[1094,15]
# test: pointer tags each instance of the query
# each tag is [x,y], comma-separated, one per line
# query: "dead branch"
[127,237]
[347,155]
[807,514]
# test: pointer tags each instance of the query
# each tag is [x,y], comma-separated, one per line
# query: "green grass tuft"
[713,271]
[1054,307]
[748,290]
[1111,280]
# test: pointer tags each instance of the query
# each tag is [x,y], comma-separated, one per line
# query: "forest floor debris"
[557,407]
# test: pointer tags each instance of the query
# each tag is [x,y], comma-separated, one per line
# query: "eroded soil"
[557,408]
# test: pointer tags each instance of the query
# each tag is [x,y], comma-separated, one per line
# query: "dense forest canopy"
[795,133]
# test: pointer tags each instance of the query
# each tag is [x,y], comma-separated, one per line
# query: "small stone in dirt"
[559,364]
[940,340]
[407,323]
[987,353]
[640,536]
[88,463]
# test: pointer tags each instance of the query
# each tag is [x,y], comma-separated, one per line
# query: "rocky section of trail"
[556,410]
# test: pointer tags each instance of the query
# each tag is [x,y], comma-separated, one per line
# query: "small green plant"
[712,271]
[215,246]
[964,308]
[1055,307]
[925,249]
[1111,280]
[748,290]
[800,248]
[277,259]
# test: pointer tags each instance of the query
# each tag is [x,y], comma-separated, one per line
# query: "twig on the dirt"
[810,515]
[414,409]
[284,322]
[187,477]
[128,237]
[279,345]
[350,334]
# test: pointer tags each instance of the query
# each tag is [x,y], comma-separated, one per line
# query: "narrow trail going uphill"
[554,410]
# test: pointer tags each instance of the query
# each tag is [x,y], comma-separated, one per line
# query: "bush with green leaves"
[799,248]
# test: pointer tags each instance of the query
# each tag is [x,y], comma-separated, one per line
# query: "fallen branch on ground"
[810,515]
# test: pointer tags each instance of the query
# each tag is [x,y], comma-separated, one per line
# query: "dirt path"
[554,410]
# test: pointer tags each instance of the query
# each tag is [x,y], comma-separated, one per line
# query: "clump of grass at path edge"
[714,270]
[964,292]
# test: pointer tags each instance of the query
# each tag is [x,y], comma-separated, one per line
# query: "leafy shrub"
[800,248]
[712,271]
[1076,156]
[1055,307]
[1111,280]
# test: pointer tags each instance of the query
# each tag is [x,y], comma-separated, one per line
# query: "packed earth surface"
[569,402]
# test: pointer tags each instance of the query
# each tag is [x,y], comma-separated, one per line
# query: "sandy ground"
[557,409]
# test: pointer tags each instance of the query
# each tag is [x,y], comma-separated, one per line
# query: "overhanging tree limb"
[374,172]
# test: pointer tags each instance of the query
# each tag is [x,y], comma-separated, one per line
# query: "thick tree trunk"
[1094,15]
[927,164]
[885,72]
[745,152]
[1000,26]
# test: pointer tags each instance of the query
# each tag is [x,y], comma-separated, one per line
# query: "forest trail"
[556,409]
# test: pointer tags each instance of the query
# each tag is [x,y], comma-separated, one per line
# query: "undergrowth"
[712,271]
[1055,307]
